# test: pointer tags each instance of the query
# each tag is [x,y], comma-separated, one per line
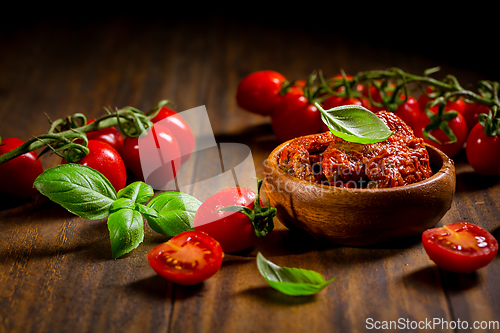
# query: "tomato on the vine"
[334,101]
[187,258]
[259,92]
[18,174]
[105,159]
[409,111]
[159,153]
[295,116]
[460,247]
[109,135]
[457,125]
[235,228]
[472,112]
[483,151]
[180,130]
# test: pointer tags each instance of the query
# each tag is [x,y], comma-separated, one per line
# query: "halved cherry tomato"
[187,258]
[158,139]
[233,230]
[483,151]
[109,135]
[17,175]
[295,116]
[259,92]
[460,247]
[334,101]
[180,130]
[105,159]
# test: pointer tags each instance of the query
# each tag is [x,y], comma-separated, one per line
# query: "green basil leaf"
[291,281]
[121,203]
[138,192]
[175,213]
[126,231]
[146,211]
[81,190]
[355,123]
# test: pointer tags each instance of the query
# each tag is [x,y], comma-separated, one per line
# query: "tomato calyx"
[261,217]
[439,119]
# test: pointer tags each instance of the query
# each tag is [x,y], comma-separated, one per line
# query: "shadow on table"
[269,294]
[435,278]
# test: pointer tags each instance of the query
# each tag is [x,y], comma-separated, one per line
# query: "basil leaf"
[126,231]
[175,213]
[291,281]
[146,211]
[138,192]
[121,203]
[355,123]
[81,190]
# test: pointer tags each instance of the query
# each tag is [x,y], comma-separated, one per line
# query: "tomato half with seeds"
[187,258]
[460,247]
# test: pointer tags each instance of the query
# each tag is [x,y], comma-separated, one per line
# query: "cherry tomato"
[180,129]
[409,111]
[457,125]
[17,175]
[295,116]
[460,247]
[233,230]
[423,99]
[472,112]
[338,78]
[147,153]
[187,258]
[334,101]
[483,151]
[105,159]
[373,93]
[259,92]
[109,135]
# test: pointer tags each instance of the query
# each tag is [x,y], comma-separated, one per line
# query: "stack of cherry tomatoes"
[109,153]
[293,113]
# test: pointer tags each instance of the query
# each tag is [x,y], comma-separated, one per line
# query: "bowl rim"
[448,165]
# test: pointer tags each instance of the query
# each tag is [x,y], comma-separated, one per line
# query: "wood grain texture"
[56,270]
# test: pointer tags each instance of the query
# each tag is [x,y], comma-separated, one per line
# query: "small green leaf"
[176,212]
[291,281]
[81,190]
[126,231]
[121,203]
[146,211]
[138,192]
[355,123]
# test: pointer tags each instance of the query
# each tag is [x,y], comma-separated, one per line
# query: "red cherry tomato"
[423,99]
[460,247]
[334,101]
[457,125]
[259,92]
[180,130]
[374,94]
[105,159]
[17,175]
[483,151]
[472,112]
[159,137]
[295,116]
[233,230]
[187,258]
[409,111]
[109,135]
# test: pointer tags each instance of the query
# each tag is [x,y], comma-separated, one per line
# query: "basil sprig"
[87,193]
[291,281]
[355,123]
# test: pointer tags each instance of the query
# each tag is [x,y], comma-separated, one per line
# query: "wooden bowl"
[361,216]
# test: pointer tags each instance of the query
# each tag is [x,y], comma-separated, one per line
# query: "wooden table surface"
[56,270]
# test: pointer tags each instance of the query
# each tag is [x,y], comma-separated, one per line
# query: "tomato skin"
[471,254]
[17,175]
[158,136]
[472,112]
[109,135]
[334,101]
[233,230]
[295,116]
[483,151]
[180,130]
[259,92]
[105,159]
[409,111]
[457,125]
[187,258]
